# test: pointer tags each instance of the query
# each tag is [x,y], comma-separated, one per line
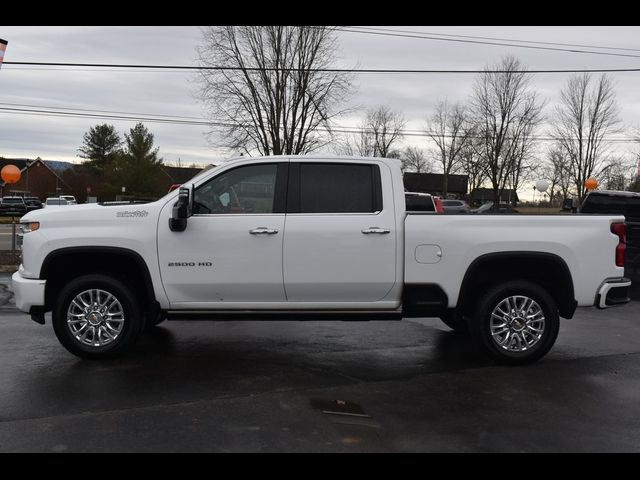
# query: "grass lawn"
[541,211]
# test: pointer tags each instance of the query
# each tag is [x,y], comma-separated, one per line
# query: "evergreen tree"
[139,167]
[100,146]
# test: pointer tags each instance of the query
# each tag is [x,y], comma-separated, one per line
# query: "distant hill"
[58,166]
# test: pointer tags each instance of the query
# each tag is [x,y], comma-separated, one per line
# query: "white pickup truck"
[312,238]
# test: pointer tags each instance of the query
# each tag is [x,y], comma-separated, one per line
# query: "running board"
[284,315]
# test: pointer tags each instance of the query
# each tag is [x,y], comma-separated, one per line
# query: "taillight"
[620,229]
[439,207]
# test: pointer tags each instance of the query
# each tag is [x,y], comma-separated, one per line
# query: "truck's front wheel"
[516,322]
[96,316]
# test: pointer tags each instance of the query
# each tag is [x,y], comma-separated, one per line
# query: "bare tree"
[588,113]
[505,113]
[524,163]
[415,160]
[275,94]
[619,173]
[379,135]
[385,127]
[472,166]
[555,171]
[449,130]
[361,144]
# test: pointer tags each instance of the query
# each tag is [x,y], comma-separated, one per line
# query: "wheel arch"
[545,269]
[66,263]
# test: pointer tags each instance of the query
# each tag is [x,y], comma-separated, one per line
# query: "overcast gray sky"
[172,92]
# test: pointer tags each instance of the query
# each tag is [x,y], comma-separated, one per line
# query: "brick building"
[47,178]
[36,179]
[432,183]
[178,175]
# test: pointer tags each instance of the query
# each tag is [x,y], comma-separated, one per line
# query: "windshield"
[12,200]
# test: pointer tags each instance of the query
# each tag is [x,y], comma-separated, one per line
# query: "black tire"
[131,326]
[455,322]
[480,326]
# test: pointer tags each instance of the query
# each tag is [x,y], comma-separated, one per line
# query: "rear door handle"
[263,231]
[376,230]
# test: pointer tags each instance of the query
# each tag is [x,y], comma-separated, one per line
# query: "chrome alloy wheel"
[95,318]
[517,323]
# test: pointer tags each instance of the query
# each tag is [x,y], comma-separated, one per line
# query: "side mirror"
[181,211]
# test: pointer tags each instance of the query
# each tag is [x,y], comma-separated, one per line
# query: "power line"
[77,109]
[64,69]
[53,113]
[480,42]
[48,111]
[494,38]
[327,70]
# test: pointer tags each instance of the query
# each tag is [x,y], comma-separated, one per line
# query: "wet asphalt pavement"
[255,387]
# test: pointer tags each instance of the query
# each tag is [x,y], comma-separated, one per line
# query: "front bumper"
[27,292]
[613,292]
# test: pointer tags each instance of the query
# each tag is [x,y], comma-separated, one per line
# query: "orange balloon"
[10,174]
[591,183]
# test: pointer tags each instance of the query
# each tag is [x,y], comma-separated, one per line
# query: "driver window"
[247,189]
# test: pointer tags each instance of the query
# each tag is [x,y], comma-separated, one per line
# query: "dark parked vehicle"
[455,206]
[423,202]
[612,202]
[621,203]
[569,205]
[33,203]
[502,208]
[13,206]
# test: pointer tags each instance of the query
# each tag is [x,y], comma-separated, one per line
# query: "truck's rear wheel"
[516,322]
[96,316]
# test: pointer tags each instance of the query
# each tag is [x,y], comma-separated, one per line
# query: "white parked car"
[70,199]
[55,202]
[312,237]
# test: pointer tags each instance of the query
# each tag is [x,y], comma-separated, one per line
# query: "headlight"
[29,227]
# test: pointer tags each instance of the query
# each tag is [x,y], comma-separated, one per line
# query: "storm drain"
[344,412]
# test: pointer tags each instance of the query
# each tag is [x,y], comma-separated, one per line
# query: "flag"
[3,47]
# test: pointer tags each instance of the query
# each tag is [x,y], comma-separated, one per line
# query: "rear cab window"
[318,188]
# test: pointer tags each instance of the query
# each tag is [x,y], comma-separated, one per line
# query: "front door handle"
[376,230]
[263,231]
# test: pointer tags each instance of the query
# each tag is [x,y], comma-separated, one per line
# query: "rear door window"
[335,188]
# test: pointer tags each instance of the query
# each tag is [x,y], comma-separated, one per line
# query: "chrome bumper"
[613,292]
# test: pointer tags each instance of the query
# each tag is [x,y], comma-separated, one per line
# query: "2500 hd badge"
[191,264]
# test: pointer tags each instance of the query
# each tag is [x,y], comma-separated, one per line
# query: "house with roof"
[37,179]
